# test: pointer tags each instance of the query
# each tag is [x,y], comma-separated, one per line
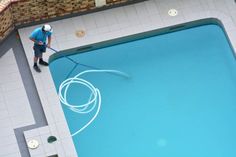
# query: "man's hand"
[48,45]
[40,43]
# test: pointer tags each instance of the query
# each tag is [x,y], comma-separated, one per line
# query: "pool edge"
[141,35]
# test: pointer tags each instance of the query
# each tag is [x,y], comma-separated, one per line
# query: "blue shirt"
[39,35]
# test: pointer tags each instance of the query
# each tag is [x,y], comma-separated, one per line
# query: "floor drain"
[80,33]
[33,144]
[173,12]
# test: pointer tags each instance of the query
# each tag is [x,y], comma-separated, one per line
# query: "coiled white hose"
[94,99]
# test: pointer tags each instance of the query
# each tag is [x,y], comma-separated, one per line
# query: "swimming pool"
[178,101]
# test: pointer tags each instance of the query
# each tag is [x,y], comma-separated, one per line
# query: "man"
[39,36]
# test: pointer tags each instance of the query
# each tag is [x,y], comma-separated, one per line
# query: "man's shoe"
[43,63]
[36,68]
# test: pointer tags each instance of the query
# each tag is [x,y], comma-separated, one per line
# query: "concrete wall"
[6,23]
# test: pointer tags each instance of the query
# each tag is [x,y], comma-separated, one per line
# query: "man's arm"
[35,41]
[49,41]
[32,38]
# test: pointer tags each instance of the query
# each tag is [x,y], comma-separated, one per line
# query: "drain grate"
[33,144]
[172,12]
[80,33]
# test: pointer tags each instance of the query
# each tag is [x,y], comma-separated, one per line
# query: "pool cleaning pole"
[88,66]
[91,67]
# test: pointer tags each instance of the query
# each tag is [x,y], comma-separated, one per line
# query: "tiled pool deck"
[100,26]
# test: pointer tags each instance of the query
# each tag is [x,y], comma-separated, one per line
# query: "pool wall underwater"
[181,113]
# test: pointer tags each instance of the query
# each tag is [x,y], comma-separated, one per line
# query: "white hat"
[47,28]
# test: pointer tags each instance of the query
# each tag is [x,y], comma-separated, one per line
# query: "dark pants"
[39,50]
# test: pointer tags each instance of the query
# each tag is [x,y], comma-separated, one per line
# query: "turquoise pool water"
[179,101]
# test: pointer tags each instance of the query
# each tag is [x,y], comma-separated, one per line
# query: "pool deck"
[99,26]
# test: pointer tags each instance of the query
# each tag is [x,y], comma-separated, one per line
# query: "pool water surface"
[178,101]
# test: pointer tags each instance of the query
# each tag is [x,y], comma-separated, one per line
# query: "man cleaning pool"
[39,36]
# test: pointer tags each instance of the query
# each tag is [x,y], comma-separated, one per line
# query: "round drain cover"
[33,144]
[172,12]
[80,33]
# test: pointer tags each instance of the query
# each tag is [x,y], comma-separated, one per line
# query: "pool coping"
[138,36]
[56,121]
